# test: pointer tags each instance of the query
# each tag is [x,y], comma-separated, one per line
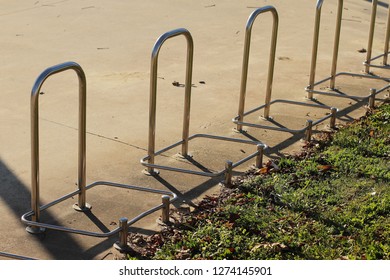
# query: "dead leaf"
[324,168]
[229,225]
[264,170]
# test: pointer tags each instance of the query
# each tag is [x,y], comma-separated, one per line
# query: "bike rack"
[385,54]
[32,218]
[239,120]
[149,160]
[332,91]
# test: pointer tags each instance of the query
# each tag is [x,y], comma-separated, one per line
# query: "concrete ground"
[112,41]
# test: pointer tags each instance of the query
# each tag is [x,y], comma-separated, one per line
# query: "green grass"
[330,202]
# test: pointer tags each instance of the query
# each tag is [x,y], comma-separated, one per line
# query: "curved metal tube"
[244,75]
[336,45]
[35,133]
[153,91]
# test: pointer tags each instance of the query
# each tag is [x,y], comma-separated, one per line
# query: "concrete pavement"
[112,41]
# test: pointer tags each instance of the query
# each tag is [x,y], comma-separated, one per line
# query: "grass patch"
[332,201]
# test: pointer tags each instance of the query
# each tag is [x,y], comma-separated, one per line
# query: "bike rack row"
[32,218]
[332,90]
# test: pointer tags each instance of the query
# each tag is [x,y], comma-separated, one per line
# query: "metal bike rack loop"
[149,160]
[310,89]
[239,120]
[32,218]
[369,59]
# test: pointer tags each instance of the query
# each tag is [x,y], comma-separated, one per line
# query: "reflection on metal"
[32,218]
[332,91]
[385,54]
[148,160]
[239,120]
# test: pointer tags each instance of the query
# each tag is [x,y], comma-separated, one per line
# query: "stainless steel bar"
[135,188]
[235,120]
[153,91]
[313,67]
[375,58]
[245,63]
[336,46]
[238,163]
[35,183]
[314,55]
[224,138]
[387,39]
[371,35]
[365,76]
[283,129]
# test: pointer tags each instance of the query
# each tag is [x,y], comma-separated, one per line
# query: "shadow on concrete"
[59,245]
[193,193]
[380,3]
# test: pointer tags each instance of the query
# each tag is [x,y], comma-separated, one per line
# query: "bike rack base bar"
[331,116]
[258,153]
[335,93]
[369,64]
[25,218]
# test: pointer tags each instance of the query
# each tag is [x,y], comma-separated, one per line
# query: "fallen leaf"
[229,225]
[263,170]
[324,168]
